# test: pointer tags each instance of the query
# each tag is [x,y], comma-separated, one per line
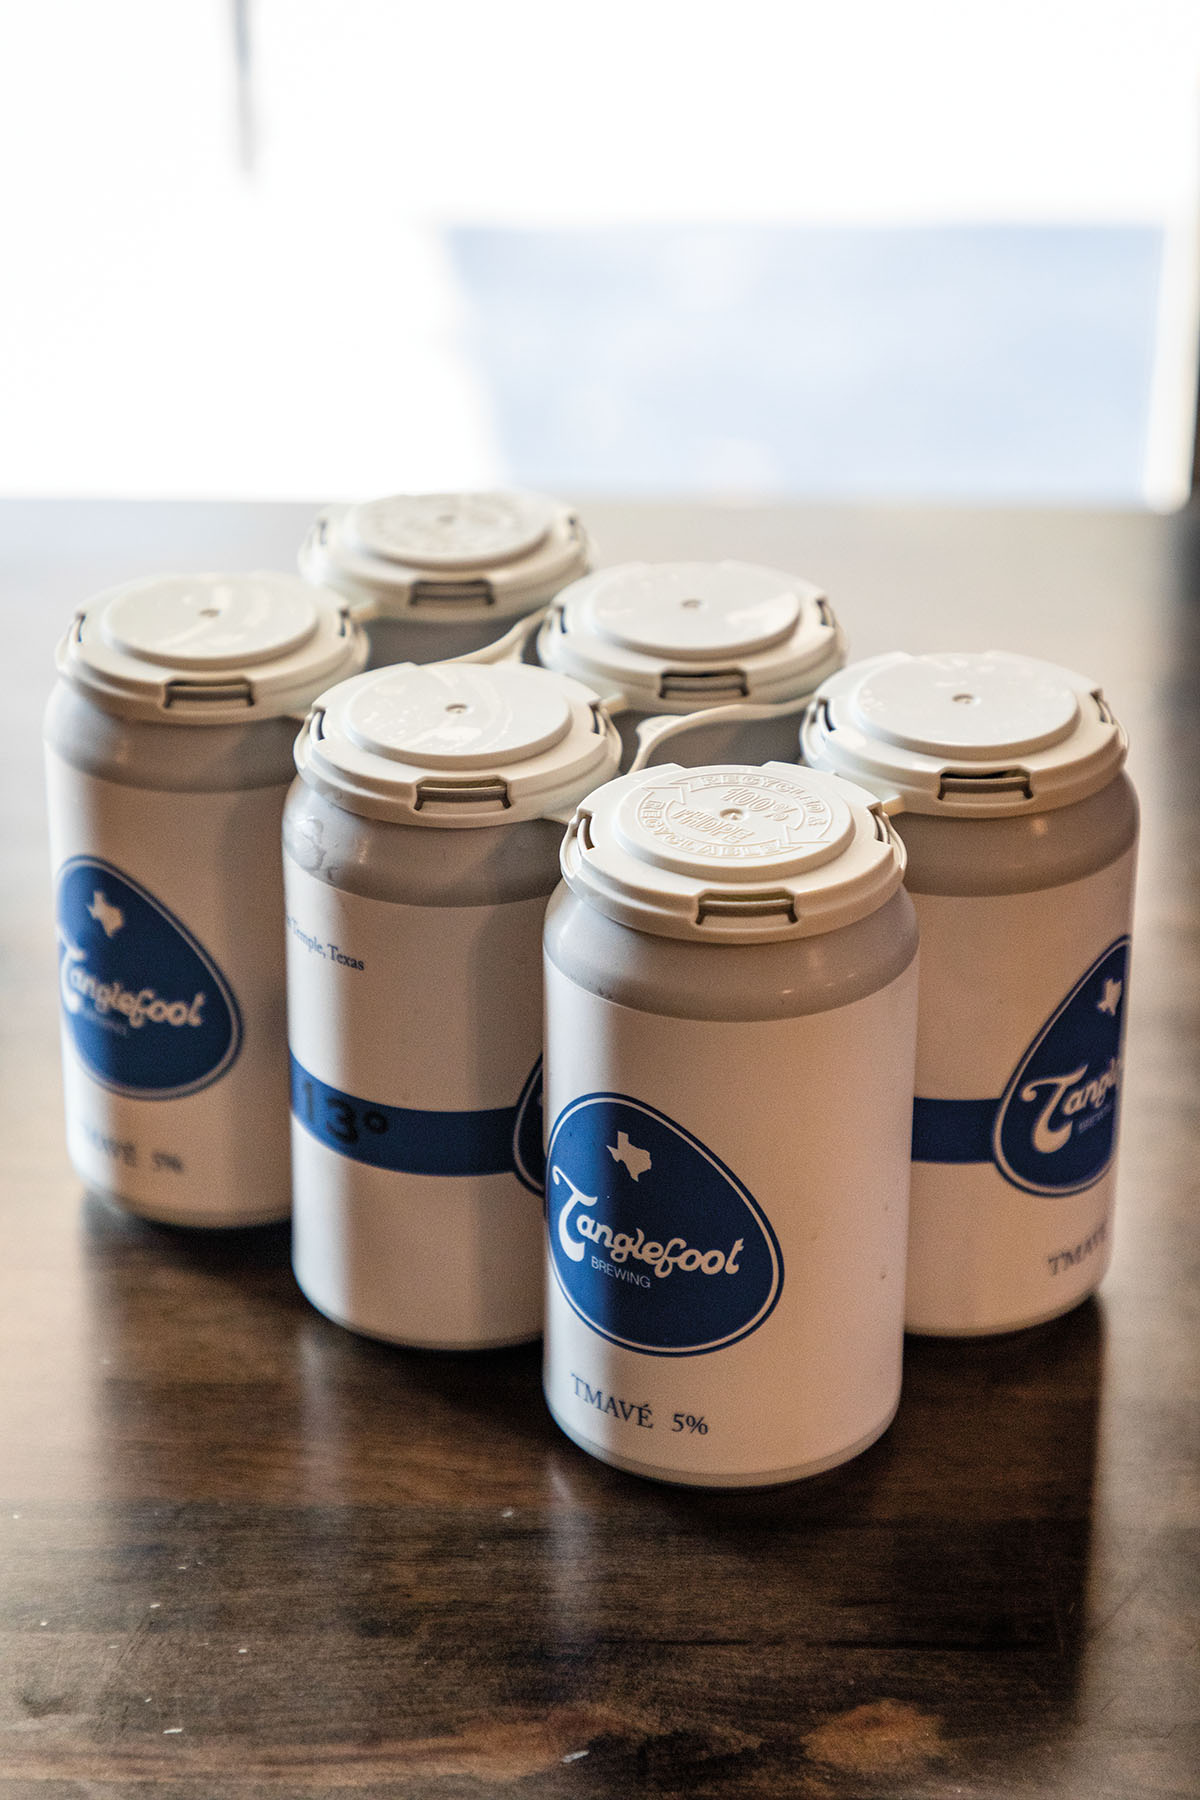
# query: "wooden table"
[244,1553]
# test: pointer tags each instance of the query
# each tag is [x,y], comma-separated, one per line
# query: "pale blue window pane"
[986,362]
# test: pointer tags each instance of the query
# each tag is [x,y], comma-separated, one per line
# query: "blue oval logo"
[654,1242]
[1055,1130]
[528,1151]
[148,1010]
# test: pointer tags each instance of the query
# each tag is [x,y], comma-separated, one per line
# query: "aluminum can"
[1021,830]
[168,753]
[731,984]
[673,639]
[439,575]
[421,844]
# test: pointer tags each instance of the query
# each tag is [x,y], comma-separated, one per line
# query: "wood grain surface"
[243,1553]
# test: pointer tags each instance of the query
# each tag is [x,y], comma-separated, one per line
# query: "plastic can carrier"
[673,641]
[1021,831]
[730,1029]
[169,755]
[421,843]
[439,575]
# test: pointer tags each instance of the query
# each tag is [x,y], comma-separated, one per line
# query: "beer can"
[169,755]
[1021,831]
[731,979]
[679,638]
[421,844]
[439,575]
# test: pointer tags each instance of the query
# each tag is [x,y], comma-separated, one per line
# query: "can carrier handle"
[662,726]
[511,647]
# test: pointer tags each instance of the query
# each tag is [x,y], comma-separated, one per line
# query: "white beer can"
[673,639]
[731,986]
[439,575]
[169,755]
[1021,831]
[420,846]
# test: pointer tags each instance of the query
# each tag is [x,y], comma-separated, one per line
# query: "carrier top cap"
[449,531]
[673,637]
[439,556]
[982,735]
[211,649]
[458,744]
[733,853]
[690,610]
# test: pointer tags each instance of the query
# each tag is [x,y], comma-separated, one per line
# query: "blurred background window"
[321,248]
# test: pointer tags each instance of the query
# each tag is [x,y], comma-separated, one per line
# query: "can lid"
[458,744]
[438,556]
[979,735]
[673,637]
[733,854]
[211,649]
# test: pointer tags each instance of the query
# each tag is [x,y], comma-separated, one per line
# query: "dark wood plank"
[243,1553]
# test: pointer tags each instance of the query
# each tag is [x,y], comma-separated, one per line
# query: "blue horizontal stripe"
[401,1139]
[953,1131]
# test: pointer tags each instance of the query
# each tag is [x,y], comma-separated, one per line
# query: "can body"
[727,1181]
[171,960]
[414,1004]
[436,576]
[1025,927]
